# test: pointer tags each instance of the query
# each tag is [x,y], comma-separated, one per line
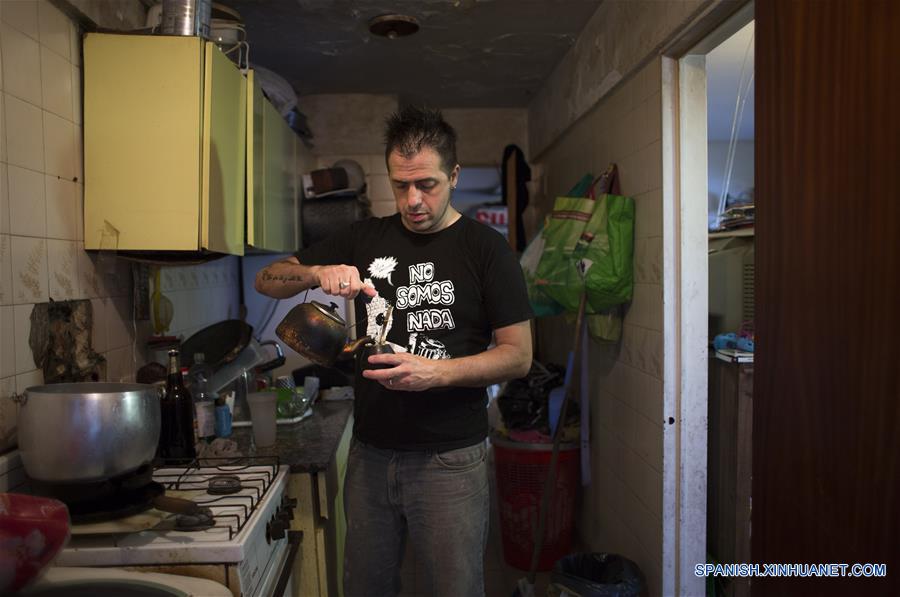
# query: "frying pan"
[124,496]
[230,349]
[220,343]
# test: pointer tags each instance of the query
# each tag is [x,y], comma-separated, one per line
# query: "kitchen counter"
[307,446]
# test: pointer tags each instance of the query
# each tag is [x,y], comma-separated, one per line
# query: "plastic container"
[197,379]
[223,418]
[521,470]
[262,416]
[310,387]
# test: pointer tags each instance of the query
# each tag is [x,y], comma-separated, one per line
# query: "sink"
[111,588]
[61,581]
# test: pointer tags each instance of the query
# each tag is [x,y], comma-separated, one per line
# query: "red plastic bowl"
[32,531]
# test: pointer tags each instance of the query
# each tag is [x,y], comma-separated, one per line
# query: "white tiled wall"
[41,255]
[41,206]
[622,509]
[202,294]
[614,42]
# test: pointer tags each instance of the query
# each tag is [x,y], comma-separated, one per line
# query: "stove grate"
[255,474]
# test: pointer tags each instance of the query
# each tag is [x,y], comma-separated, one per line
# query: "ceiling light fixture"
[393,26]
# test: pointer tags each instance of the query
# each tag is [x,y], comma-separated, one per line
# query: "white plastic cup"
[262,416]
[285,381]
[310,387]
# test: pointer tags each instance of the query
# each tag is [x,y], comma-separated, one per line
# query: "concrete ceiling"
[468,53]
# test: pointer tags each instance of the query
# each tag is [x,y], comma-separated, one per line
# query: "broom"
[525,586]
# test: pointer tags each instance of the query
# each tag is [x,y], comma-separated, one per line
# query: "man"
[417,459]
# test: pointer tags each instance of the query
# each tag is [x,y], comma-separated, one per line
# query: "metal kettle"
[317,332]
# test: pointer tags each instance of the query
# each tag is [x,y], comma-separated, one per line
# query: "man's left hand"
[407,372]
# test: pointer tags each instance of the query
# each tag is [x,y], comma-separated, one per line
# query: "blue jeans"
[440,500]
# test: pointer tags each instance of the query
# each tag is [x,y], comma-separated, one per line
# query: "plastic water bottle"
[223,418]
[204,400]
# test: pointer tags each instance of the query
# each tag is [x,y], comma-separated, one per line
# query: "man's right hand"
[341,280]
[285,278]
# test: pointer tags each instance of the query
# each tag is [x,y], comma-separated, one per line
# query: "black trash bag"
[597,575]
[523,403]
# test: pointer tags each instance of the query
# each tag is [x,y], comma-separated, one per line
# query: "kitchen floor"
[500,578]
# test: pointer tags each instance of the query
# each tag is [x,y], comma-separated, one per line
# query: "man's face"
[422,190]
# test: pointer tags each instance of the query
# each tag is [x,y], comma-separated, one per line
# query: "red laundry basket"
[521,471]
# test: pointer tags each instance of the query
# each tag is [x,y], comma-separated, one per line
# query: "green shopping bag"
[541,304]
[589,244]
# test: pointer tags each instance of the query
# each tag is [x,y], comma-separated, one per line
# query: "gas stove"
[242,539]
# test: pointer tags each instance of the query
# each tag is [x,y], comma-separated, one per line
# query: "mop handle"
[547,493]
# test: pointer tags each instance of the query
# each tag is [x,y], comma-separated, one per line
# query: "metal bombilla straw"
[384,325]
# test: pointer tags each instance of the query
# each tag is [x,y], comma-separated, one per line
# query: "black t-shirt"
[450,290]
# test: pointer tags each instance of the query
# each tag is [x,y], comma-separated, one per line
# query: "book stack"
[733,355]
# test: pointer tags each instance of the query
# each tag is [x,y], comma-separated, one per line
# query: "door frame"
[686,292]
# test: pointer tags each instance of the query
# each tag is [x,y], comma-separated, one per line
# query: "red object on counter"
[32,531]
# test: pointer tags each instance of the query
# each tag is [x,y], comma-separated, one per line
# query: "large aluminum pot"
[74,432]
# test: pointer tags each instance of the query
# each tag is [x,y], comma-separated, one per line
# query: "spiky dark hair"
[412,128]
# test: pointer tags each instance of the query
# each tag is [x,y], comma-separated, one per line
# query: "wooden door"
[826,436]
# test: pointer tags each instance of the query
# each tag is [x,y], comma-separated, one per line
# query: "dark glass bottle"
[176,438]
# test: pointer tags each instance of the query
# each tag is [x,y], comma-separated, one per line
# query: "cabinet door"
[256,191]
[271,176]
[142,123]
[339,518]
[224,155]
[309,570]
[280,203]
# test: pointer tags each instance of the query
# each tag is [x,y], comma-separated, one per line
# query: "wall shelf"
[731,233]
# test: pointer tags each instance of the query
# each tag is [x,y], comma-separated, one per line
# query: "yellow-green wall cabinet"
[164,145]
[182,151]
[274,153]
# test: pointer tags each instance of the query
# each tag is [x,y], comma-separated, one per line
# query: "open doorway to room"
[709,177]
[731,275]
[730,169]
[478,195]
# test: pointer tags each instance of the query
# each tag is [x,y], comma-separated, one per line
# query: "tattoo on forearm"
[267,277]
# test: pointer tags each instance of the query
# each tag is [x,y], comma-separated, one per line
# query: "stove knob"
[275,529]
[285,515]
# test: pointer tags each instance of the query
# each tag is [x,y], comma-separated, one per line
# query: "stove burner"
[224,485]
[200,521]
[100,501]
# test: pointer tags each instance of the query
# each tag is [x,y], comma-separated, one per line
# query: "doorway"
[693,201]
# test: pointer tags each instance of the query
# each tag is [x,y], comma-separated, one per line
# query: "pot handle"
[278,361]
[19,399]
[175,505]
